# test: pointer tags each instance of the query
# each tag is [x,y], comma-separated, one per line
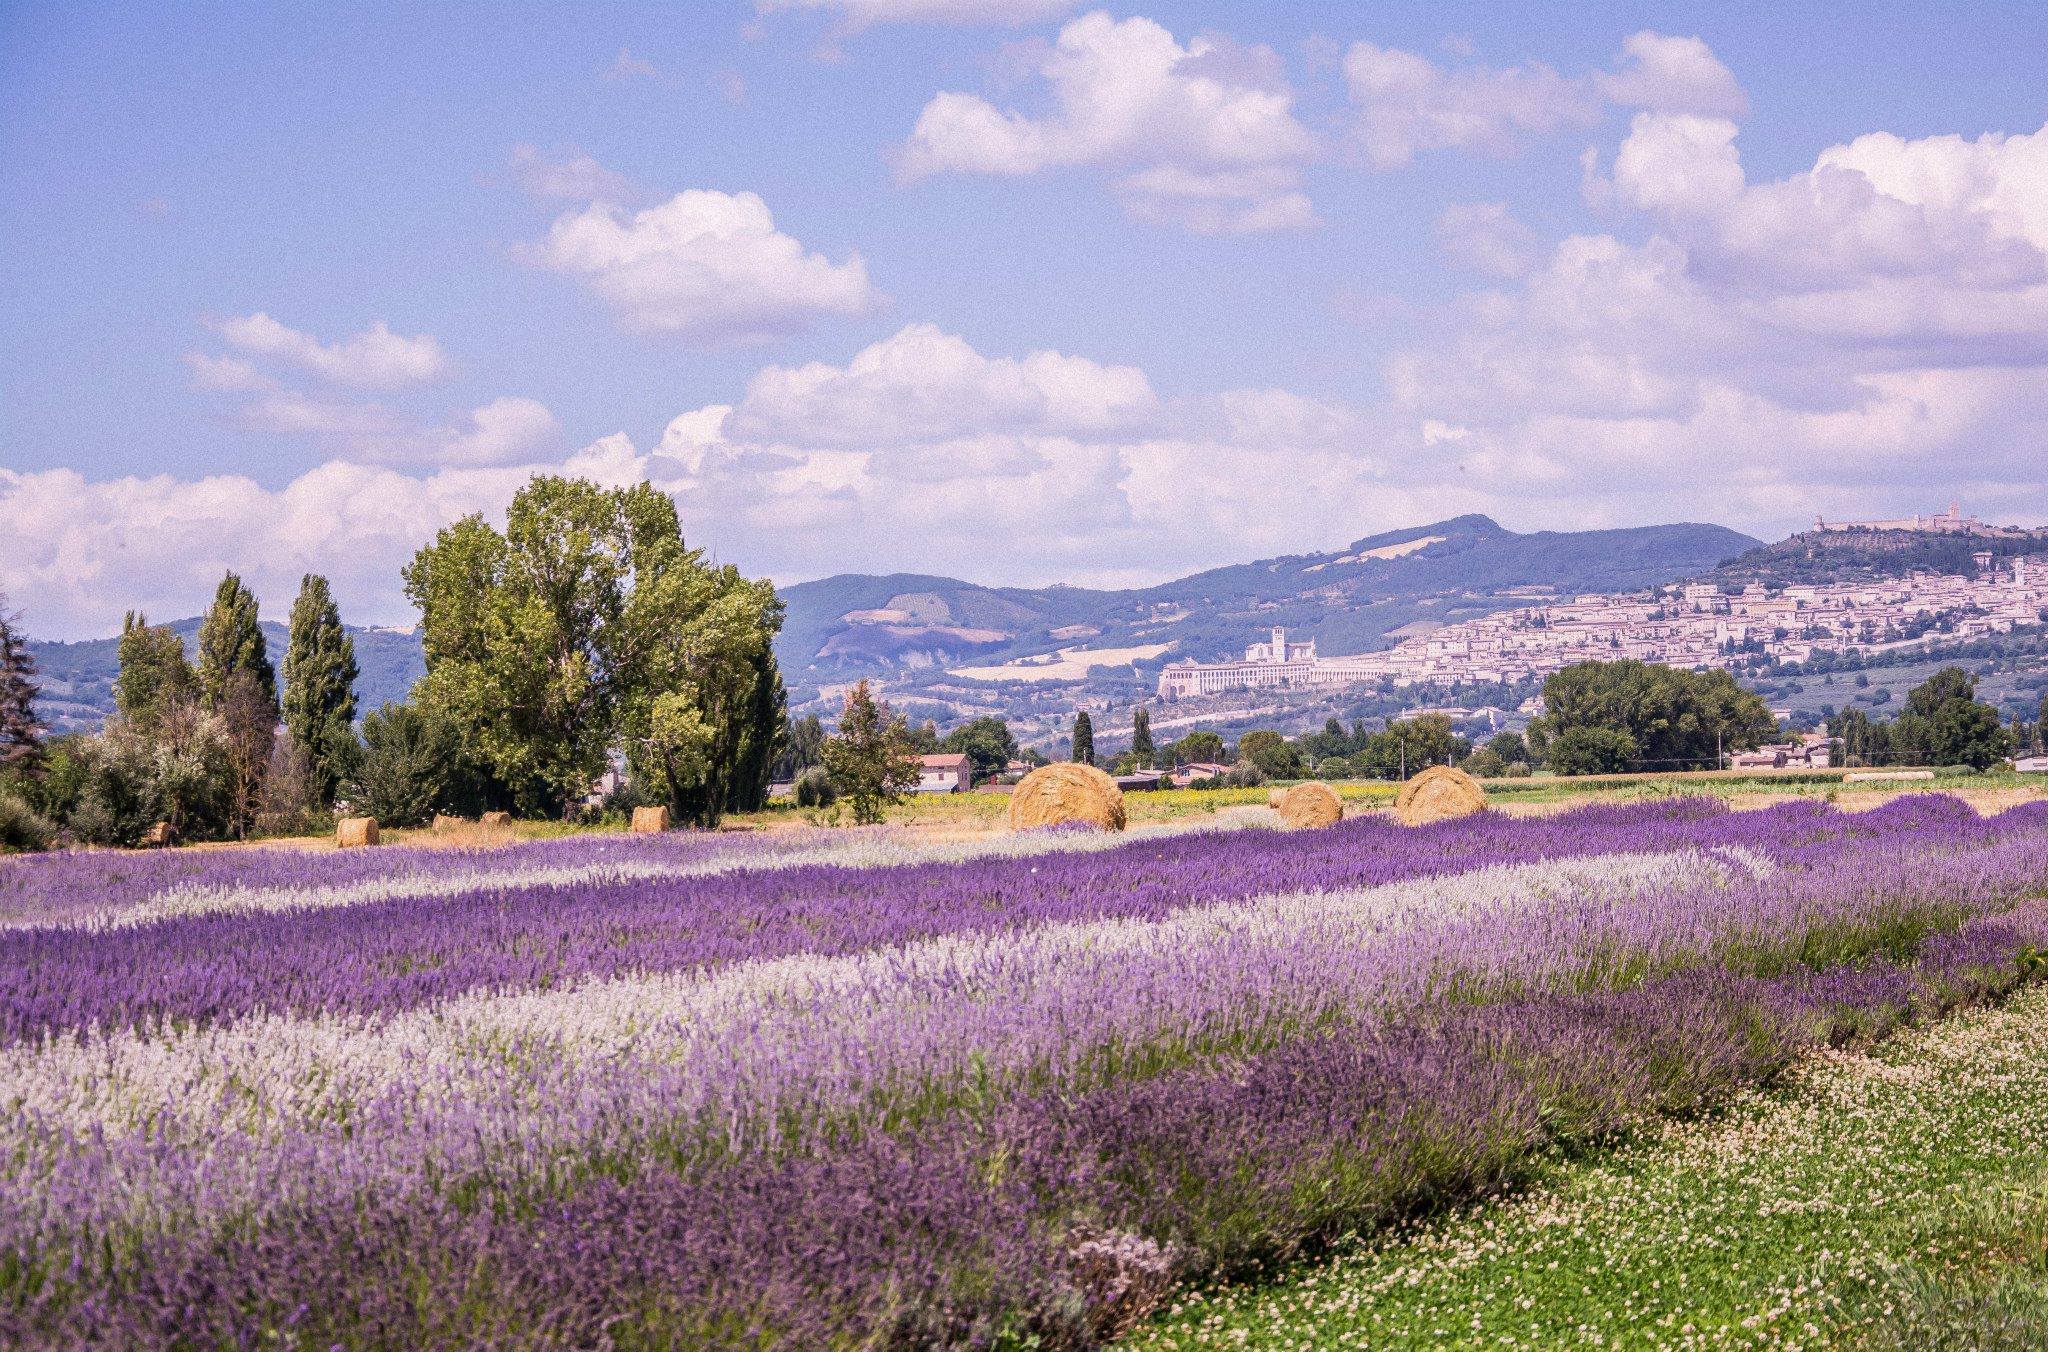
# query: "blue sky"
[1344,268]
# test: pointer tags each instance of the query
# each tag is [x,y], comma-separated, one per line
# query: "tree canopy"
[987,742]
[868,759]
[588,623]
[1676,719]
[231,643]
[319,685]
[1084,739]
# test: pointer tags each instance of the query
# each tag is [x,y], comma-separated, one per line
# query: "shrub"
[1958,770]
[814,788]
[1519,770]
[22,827]
[407,765]
[1484,765]
[1244,775]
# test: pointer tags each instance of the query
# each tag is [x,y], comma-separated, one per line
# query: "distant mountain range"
[78,678]
[907,626]
[1349,600]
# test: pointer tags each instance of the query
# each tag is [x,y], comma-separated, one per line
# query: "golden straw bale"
[351,832]
[649,821]
[1438,794]
[444,822]
[1067,792]
[495,819]
[1309,805]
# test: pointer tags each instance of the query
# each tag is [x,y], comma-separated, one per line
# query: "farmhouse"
[950,773]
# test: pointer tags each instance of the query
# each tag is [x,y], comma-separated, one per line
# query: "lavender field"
[838,1089]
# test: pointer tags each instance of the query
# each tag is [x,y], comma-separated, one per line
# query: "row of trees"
[585,630]
[1943,723]
[196,747]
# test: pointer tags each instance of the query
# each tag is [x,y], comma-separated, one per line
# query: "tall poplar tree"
[1084,738]
[1141,737]
[20,732]
[320,685]
[231,643]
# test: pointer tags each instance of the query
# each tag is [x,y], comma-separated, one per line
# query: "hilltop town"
[1696,624]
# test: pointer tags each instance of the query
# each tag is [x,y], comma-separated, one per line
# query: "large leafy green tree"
[987,742]
[1270,751]
[1199,747]
[1591,750]
[319,686]
[1944,723]
[1676,719]
[231,642]
[587,624]
[868,758]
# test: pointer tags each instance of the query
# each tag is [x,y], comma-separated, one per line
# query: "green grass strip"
[1891,1198]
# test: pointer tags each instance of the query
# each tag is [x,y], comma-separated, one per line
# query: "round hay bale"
[1309,805]
[1438,794]
[495,820]
[649,821]
[444,822]
[353,832]
[1067,792]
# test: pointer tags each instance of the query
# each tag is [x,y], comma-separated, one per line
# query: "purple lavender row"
[1061,1217]
[393,955]
[55,888]
[286,1111]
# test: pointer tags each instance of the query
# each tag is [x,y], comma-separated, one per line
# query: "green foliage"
[987,742]
[408,766]
[1271,753]
[155,675]
[867,758]
[1141,736]
[1674,719]
[803,746]
[1484,764]
[1509,746]
[1083,748]
[588,622]
[814,788]
[1410,745]
[319,686]
[21,732]
[231,642]
[1199,747]
[22,828]
[1592,750]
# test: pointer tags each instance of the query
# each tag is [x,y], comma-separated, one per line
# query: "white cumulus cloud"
[1201,134]
[706,266]
[858,14]
[1405,104]
[376,358]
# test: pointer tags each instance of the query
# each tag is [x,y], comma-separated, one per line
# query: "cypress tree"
[20,733]
[231,642]
[1084,739]
[1141,736]
[319,684]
